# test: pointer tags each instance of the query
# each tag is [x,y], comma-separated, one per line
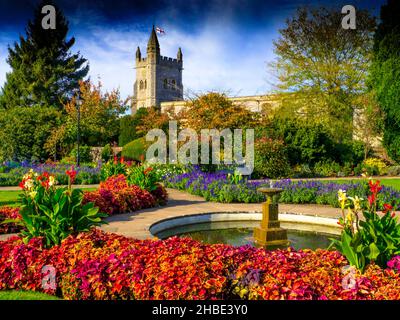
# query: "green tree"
[323,66]
[43,71]
[128,124]
[99,120]
[25,130]
[385,75]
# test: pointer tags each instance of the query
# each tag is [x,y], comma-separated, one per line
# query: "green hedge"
[135,150]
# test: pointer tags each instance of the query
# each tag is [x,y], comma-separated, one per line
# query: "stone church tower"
[158,78]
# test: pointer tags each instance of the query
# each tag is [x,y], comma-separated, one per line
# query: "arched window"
[145,84]
[165,84]
[173,84]
[141,85]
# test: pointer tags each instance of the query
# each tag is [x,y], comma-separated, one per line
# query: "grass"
[388,182]
[11,198]
[25,295]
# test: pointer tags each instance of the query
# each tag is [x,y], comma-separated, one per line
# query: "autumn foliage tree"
[216,111]
[99,116]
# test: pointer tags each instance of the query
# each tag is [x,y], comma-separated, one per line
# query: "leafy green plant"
[54,213]
[145,178]
[373,239]
[113,167]
[271,159]
[84,154]
[235,178]
[106,152]
[327,168]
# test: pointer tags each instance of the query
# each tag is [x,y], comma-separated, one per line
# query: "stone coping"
[288,221]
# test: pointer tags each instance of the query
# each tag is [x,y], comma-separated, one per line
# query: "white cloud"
[216,57]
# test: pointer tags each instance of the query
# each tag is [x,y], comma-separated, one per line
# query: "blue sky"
[226,44]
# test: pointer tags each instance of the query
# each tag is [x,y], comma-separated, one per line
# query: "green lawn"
[11,198]
[25,295]
[388,182]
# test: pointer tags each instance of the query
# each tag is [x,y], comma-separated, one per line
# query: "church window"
[165,84]
[141,85]
[145,84]
[173,84]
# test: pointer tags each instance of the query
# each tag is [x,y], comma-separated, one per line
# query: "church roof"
[153,43]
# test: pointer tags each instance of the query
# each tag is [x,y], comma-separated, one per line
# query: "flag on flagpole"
[159,30]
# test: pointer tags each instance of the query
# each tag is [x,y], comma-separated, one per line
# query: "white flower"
[52,181]
[28,185]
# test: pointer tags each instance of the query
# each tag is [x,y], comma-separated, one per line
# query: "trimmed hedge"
[135,150]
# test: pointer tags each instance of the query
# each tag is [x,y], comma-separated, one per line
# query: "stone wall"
[252,103]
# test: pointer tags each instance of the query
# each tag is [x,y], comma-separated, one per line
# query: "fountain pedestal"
[270,233]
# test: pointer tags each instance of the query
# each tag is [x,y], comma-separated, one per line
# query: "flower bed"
[99,265]
[219,187]
[9,213]
[116,196]
[11,173]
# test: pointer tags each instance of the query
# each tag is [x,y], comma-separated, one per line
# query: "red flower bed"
[116,196]
[9,213]
[99,265]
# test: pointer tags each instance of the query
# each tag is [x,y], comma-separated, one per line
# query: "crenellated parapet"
[158,78]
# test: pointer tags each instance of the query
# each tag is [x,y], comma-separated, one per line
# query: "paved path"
[137,224]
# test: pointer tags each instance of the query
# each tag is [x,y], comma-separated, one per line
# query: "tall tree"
[99,114]
[385,75]
[324,66]
[43,71]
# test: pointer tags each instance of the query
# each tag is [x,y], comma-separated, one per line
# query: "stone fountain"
[270,233]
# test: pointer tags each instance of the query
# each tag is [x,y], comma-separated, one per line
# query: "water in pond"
[216,232]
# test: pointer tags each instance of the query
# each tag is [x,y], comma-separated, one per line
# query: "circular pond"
[237,233]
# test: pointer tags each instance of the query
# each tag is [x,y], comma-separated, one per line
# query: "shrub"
[106,153]
[116,196]
[128,124]
[327,168]
[53,213]
[374,166]
[302,171]
[271,159]
[6,214]
[84,154]
[306,142]
[393,171]
[135,150]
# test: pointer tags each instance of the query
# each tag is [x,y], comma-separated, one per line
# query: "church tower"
[158,78]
